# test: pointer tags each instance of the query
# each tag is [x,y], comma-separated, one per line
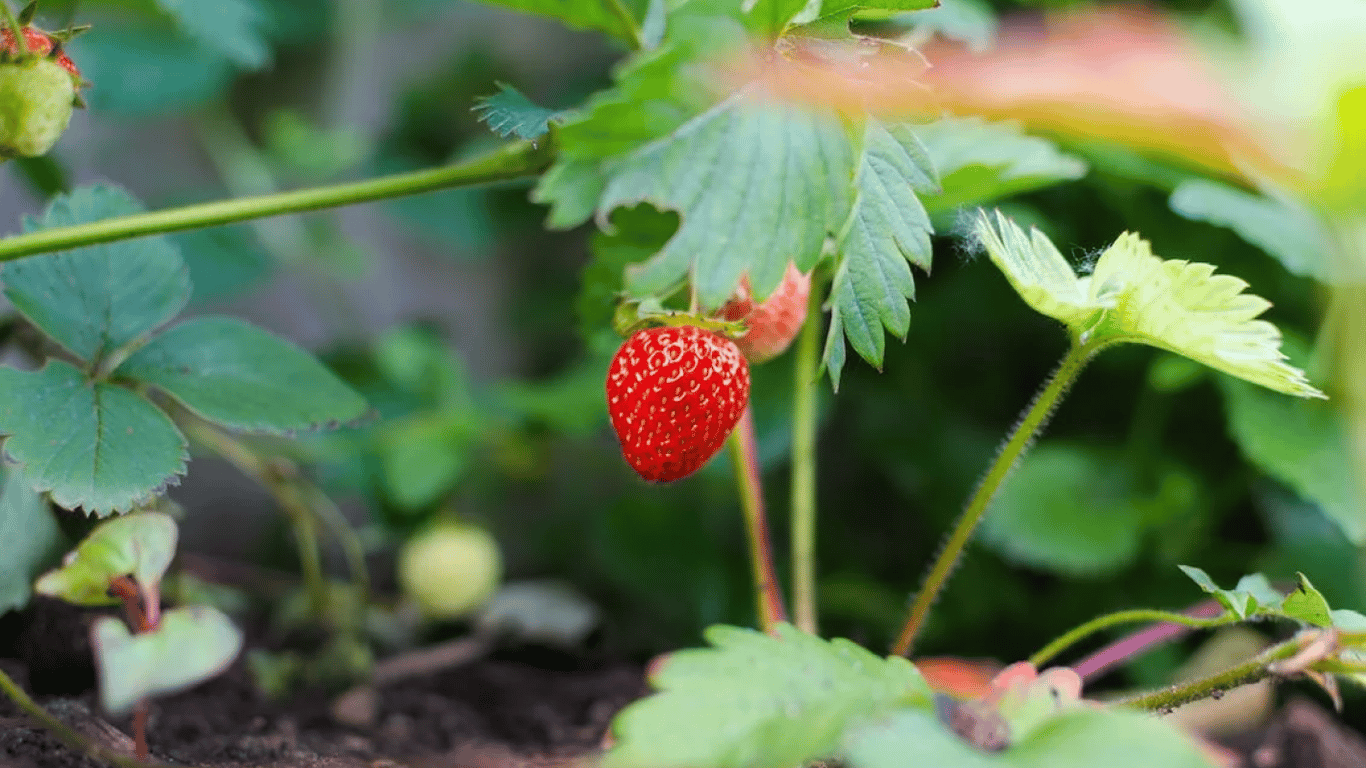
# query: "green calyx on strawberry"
[674,393]
[39,87]
[772,324]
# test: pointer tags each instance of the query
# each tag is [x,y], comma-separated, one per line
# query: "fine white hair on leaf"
[968,243]
[1085,263]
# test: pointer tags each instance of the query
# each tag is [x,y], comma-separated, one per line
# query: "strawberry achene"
[673,395]
[772,324]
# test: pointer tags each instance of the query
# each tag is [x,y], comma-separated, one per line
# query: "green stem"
[806,379]
[1140,615]
[61,730]
[623,14]
[745,453]
[1033,421]
[1251,671]
[16,29]
[514,160]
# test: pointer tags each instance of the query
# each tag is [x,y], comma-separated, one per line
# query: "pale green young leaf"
[1077,738]
[1307,604]
[756,701]
[140,545]
[509,113]
[980,161]
[753,185]
[1303,444]
[190,646]
[94,300]
[1287,232]
[1134,296]
[1253,595]
[233,28]
[92,446]
[243,377]
[29,539]
[887,230]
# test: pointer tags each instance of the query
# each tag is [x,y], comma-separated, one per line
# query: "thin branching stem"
[515,160]
[1035,417]
[805,382]
[744,451]
[1135,616]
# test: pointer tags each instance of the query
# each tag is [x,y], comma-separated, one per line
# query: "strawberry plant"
[760,181]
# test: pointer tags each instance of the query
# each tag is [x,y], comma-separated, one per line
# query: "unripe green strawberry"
[450,569]
[673,395]
[772,324]
[36,99]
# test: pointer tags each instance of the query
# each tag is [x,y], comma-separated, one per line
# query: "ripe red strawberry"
[674,394]
[774,323]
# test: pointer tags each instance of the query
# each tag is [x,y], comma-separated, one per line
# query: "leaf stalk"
[806,379]
[744,449]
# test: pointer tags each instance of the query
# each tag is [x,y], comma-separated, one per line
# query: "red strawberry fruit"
[40,44]
[674,394]
[772,324]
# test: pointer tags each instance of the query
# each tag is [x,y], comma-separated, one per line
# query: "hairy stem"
[1139,615]
[804,467]
[514,160]
[61,730]
[1127,647]
[744,450]
[1033,421]
[1251,671]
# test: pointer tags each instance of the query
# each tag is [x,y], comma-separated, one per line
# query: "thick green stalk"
[61,730]
[806,379]
[514,160]
[1100,623]
[744,451]
[1033,421]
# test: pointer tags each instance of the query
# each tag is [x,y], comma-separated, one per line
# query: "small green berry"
[450,569]
[36,98]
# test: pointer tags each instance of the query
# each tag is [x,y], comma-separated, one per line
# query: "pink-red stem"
[745,450]
[142,603]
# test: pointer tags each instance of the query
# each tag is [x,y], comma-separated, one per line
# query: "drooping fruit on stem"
[772,324]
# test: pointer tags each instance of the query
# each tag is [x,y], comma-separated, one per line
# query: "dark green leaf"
[1286,231]
[171,70]
[222,260]
[234,28]
[233,373]
[887,231]
[587,14]
[636,235]
[96,299]
[29,539]
[1302,443]
[754,186]
[424,456]
[97,447]
[509,113]
[980,161]
[190,646]
[756,701]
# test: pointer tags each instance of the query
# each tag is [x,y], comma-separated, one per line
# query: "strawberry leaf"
[980,161]
[233,28]
[233,373]
[595,15]
[756,701]
[96,299]
[509,113]
[1254,597]
[90,445]
[190,646]
[887,231]
[1134,296]
[29,539]
[1286,231]
[140,545]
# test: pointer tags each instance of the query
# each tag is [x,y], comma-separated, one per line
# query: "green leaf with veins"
[1255,597]
[233,28]
[89,445]
[29,539]
[754,184]
[1301,443]
[887,230]
[756,701]
[1134,296]
[979,161]
[140,545]
[509,113]
[1287,231]
[190,646]
[96,299]
[235,374]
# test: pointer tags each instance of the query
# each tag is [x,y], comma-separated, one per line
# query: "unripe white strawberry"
[450,569]
[36,99]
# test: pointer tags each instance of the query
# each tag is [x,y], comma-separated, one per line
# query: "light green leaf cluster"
[140,545]
[1254,597]
[189,646]
[83,434]
[1134,296]
[756,701]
